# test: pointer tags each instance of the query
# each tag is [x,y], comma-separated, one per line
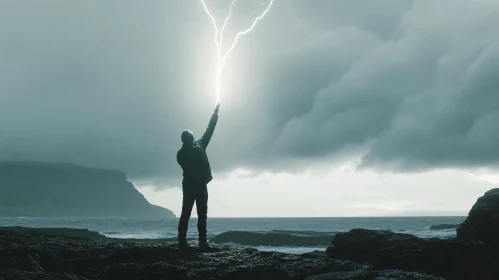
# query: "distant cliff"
[47,189]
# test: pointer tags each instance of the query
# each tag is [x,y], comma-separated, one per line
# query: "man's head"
[187,137]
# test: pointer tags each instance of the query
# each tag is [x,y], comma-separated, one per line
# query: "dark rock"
[375,275]
[69,232]
[482,223]
[448,258]
[36,255]
[12,274]
[66,190]
[316,253]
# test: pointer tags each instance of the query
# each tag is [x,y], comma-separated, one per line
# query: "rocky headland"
[67,190]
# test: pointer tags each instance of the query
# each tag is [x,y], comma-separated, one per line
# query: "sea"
[264,228]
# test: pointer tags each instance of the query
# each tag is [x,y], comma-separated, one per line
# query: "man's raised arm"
[205,140]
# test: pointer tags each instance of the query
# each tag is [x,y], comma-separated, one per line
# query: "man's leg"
[183,223]
[202,209]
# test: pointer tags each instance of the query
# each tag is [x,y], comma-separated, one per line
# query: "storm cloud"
[424,99]
[407,85]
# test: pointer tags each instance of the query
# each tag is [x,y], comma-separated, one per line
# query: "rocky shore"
[358,254]
[472,255]
[36,255]
[448,258]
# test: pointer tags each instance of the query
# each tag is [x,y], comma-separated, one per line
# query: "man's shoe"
[203,244]
[182,243]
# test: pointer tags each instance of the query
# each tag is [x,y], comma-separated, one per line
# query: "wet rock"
[34,255]
[69,232]
[482,223]
[374,275]
[448,258]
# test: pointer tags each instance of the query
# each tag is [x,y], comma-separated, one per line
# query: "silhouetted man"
[197,174]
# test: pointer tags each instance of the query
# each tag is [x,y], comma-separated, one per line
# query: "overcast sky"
[329,108]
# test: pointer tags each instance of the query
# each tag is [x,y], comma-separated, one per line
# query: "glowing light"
[221,58]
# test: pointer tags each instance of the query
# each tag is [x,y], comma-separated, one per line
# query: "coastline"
[368,254]
[241,238]
[31,254]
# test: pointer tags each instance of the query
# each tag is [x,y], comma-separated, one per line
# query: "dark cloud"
[426,99]
[453,125]
[379,17]
[113,84]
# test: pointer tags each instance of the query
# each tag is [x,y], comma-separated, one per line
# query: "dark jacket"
[193,158]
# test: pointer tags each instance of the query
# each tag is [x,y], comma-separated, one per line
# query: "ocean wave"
[272,239]
[444,226]
[305,233]
[427,233]
[110,232]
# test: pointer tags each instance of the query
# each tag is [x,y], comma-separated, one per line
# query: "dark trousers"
[193,193]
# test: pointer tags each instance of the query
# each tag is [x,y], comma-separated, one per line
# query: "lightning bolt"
[222,57]
[257,8]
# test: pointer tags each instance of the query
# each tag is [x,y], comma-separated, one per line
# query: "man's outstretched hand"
[216,109]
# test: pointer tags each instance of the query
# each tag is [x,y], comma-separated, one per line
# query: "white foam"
[424,233]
